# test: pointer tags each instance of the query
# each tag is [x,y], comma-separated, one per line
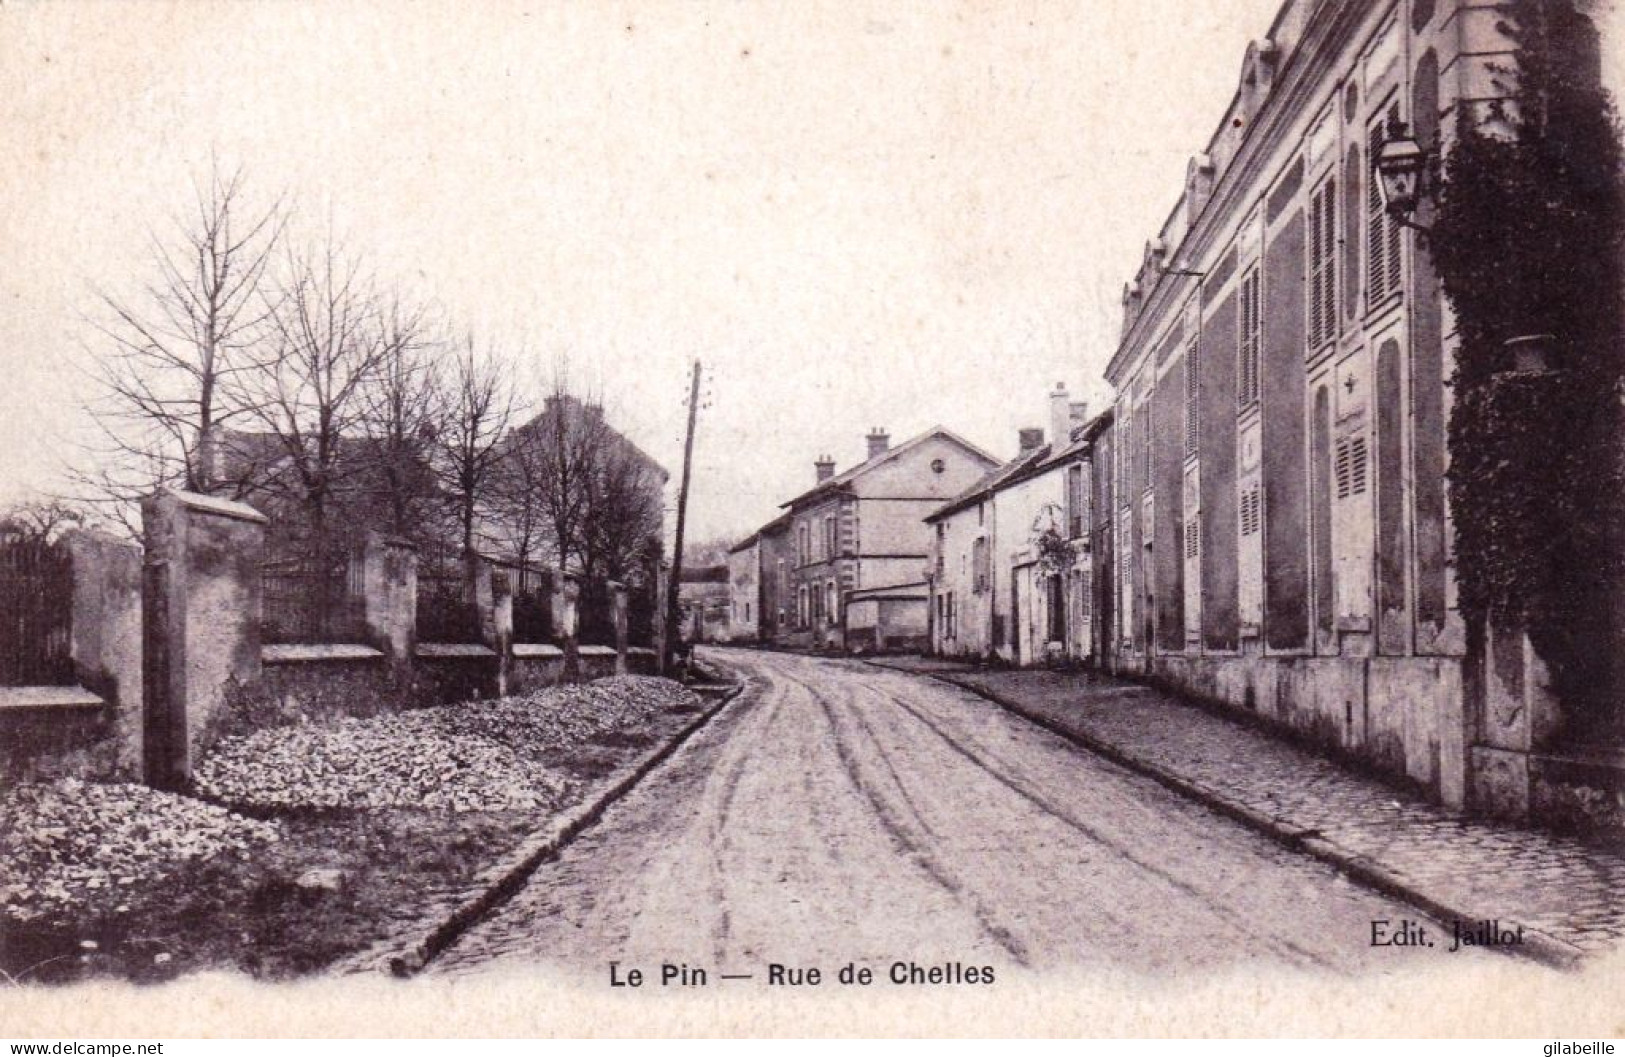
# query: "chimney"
[1060,416]
[1030,439]
[825,467]
[879,441]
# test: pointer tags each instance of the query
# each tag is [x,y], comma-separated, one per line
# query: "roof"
[989,483]
[581,411]
[705,574]
[772,527]
[841,480]
[1027,465]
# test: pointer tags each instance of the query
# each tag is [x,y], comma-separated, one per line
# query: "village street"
[837,812]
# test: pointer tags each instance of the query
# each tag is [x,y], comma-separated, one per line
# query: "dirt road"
[840,813]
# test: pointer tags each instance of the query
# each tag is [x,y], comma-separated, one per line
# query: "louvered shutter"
[1192,407]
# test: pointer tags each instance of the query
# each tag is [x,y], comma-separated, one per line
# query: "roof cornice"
[1299,78]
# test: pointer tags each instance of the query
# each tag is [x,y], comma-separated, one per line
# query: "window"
[1251,323]
[1125,579]
[979,565]
[1192,556]
[1143,471]
[1250,526]
[1077,502]
[830,544]
[1382,243]
[1192,397]
[831,606]
[1193,577]
[1125,444]
[1323,264]
[1252,512]
[803,543]
[1352,514]
[1349,466]
[1055,603]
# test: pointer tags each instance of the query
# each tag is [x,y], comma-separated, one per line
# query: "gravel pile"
[478,756]
[70,850]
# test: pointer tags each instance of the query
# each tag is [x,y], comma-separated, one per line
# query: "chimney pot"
[879,441]
[825,468]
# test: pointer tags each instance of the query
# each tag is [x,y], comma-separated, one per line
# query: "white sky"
[856,214]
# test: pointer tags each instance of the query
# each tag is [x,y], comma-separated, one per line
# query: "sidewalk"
[1569,896]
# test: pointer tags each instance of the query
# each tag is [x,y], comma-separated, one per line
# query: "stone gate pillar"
[617,592]
[501,626]
[202,599]
[566,598]
[390,583]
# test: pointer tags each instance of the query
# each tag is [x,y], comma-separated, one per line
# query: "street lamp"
[1404,172]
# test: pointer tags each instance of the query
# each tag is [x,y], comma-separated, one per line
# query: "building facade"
[864,528]
[1273,488]
[1012,573]
[745,590]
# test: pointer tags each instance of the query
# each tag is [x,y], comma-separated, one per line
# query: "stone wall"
[107,638]
[1401,717]
[167,654]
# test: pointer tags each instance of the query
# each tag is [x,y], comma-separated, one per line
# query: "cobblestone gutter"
[1564,891]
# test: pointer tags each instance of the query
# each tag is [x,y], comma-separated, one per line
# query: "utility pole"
[672,602]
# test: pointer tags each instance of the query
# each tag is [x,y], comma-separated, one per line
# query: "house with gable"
[1012,574]
[864,529]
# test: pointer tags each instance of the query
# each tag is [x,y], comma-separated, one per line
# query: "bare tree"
[40,519]
[479,407]
[326,350]
[561,451]
[401,420]
[517,497]
[624,512]
[171,357]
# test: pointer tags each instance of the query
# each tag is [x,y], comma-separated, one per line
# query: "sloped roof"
[841,480]
[778,523]
[989,483]
[1026,465]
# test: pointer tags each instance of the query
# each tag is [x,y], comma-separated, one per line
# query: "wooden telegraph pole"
[673,608]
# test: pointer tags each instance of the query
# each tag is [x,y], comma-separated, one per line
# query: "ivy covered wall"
[1529,239]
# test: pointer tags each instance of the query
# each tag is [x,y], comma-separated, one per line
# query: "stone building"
[1011,568]
[1277,493]
[864,529]
[745,589]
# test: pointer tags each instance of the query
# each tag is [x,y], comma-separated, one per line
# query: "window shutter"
[1191,398]
[1248,343]
[1251,511]
[1376,225]
[1316,251]
[1382,240]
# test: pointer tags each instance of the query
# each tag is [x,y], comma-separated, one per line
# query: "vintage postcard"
[534,518]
